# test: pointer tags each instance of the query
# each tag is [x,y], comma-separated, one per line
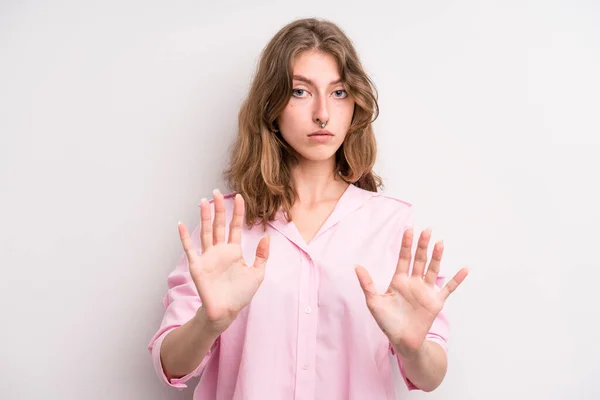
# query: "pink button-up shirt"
[307,333]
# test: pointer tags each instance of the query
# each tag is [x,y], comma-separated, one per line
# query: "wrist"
[407,353]
[206,326]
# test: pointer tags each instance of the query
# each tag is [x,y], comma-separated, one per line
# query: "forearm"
[425,369]
[184,348]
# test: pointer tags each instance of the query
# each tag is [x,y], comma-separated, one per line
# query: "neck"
[316,181]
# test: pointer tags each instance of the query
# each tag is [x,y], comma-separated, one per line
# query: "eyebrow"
[306,80]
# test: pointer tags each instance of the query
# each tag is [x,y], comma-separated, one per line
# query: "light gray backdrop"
[116,116]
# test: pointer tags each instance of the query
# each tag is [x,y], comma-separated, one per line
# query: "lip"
[321,132]
[320,136]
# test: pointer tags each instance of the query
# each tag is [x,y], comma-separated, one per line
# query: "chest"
[322,273]
[312,259]
[308,221]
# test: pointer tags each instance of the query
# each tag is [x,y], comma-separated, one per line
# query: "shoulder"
[379,208]
[385,203]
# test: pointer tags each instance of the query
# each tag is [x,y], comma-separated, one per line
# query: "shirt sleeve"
[181,303]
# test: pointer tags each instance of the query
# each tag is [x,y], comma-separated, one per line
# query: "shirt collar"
[352,199]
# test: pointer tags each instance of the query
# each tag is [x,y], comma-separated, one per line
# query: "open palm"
[407,310]
[225,283]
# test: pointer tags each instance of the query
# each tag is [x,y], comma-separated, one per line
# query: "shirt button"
[305,367]
[308,310]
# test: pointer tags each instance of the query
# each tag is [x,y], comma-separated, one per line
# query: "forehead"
[317,66]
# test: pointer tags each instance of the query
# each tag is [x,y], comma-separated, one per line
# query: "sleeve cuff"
[431,336]
[178,383]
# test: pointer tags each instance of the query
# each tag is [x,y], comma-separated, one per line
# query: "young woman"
[299,284]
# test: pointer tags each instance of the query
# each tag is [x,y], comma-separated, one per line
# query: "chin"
[317,156]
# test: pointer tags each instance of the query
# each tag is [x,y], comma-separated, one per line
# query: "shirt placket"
[307,330]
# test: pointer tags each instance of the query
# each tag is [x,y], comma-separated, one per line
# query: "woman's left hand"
[406,311]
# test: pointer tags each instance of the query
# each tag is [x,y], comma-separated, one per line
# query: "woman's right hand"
[224,282]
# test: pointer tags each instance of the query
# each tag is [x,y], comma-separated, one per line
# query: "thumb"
[262,253]
[366,283]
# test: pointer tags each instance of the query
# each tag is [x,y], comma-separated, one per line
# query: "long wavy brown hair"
[260,163]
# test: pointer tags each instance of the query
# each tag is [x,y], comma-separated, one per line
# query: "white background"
[116,117]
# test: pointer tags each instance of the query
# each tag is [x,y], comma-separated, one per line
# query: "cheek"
[346,107]
[345,113]
[294,119]
[289,116]
[288,123]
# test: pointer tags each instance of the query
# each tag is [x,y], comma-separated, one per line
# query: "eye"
[340,94]
[298,92]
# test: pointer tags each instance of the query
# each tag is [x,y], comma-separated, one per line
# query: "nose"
[321,110]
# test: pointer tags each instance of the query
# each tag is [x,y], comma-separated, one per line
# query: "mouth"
[321,136]
[320,133]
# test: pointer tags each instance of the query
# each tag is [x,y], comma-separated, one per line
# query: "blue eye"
[298,92]
[340,94]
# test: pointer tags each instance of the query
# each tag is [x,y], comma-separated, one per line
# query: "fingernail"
[178,222]
[216,191]
[203,200]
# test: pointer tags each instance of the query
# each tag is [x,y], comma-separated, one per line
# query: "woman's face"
[318,96]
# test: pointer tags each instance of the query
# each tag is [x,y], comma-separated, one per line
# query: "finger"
[237,220]
[454,283]
[421,253]
[219,221]
[405,253]
[206,236]
[366,283]
[434,266]
[186,242]
[262,253]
